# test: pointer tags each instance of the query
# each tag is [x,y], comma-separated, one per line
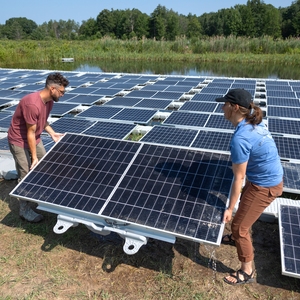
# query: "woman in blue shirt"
[254,157]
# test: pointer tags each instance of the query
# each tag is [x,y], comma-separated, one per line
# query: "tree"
[194,27]
[172,26]
[88,28]
[106,22]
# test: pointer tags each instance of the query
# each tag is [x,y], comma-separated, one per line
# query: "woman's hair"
[253,115]
[56,78]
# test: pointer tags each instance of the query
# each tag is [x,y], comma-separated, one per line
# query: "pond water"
[221,69]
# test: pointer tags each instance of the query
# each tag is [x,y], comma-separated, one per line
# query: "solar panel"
[213,140]
[170,136]
[84,99]
[122,101]
[154,87]
[106,91]
[187,119]
[141,116]
[291,177]
[73,125]
[288,147]
[285,112]
[198,106]
[30,87]
[289,231]
[4,102]
[100,112]
[284,126]
[61,109]
[5,119]
[161,191]
[206,97]
[280,93]
[218,121]
[141,94]
[154,103]
[110,130]
[277,101]
[178,88]
[214,90]
[224,85]
[167,95]
[8,93]
[4,144]
[83,90]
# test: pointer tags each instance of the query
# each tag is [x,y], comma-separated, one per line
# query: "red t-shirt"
[31,110]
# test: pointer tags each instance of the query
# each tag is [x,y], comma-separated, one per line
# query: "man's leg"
[22,162]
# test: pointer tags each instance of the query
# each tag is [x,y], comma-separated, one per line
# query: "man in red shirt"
[24,134]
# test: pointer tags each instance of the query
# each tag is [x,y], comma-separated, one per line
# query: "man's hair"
[56,78]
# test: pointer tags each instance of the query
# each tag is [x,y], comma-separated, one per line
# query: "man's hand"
[56,136]
[34,162]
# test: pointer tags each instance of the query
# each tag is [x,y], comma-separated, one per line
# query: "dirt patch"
[36,263]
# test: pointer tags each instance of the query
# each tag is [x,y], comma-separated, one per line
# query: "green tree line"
[255,19]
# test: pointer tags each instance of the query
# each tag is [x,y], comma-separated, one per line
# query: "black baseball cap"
[237,96]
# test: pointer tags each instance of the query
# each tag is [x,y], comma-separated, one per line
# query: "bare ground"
[36,263]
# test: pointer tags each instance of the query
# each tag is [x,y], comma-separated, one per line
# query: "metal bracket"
[133,241]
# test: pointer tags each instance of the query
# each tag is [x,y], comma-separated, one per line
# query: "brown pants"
[22,158]
[254,200]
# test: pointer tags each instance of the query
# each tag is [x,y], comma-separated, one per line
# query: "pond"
[220,69]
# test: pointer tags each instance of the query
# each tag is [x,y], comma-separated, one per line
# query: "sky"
[81,10]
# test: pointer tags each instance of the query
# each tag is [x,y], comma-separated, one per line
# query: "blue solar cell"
[170,136]
[179,88]
[84,99]
[106,91]
[291,177]
[83,90]
[141,94]
[30,87]
[110,130]
[214,90]
[281,93]
[167,95]
[288,147]
[218,121]
[154,87]
[61,109]
[198,106]
[285,112]
[206,97]
[281,88]
[153,103]
[73,125]
[4,144]
[100,112]
[8,93]
[213,140]
[284,126]
[187,119]
[142,116]
[289,225]
[5,119]
[277,101]
[122,101]
[224,85]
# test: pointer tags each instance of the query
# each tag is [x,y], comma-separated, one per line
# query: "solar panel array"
[167,111]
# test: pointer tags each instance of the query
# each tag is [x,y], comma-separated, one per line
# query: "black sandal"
[227,240]
[247,278]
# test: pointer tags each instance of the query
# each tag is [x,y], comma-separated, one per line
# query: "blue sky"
[79,10]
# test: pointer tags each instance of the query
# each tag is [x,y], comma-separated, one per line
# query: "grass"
[35,264]
[215,49]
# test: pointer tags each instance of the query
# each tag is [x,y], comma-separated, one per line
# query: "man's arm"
[32,143]
[239,172]
[55,136]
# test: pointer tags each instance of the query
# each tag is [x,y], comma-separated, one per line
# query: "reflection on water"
[220,69]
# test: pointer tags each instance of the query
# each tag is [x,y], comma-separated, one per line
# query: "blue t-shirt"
[254,143]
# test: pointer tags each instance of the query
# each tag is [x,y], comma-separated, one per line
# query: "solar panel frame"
[289,232]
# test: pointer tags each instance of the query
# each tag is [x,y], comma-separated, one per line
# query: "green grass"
[216,49]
